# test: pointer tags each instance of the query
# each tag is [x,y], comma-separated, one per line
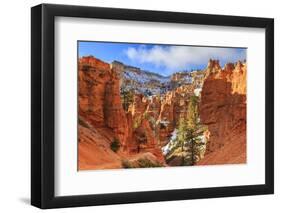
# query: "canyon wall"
[99,97]
[148,122]
[102,118]
[223,110]
[163,113]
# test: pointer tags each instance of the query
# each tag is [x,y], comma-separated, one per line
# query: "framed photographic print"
[139,106]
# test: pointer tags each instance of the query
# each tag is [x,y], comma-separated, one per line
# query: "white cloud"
[181,57]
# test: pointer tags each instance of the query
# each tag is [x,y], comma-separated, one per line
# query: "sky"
[160,58]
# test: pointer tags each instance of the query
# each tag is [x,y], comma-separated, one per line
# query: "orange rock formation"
[103,119]
[149,121]
[223,110]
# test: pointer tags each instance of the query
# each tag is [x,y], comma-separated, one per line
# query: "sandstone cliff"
[223,110]
[102,118]
[148,122]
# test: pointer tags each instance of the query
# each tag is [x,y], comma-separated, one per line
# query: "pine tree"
[127,97]
[192,118]
[192,113]
[186,134]
[182,136]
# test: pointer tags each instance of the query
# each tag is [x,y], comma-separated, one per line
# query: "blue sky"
[159,58]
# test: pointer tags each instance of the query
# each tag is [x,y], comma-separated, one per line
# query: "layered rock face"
[99,97]
[147,122]
[94,148]
[223,110]
[115,117]
[92,76]
[102,118]
[162,113]
[173,107]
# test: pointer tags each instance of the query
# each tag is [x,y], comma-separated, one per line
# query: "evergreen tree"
[186,134]
[192,118]
[127,97]
[182,136]
[192,113]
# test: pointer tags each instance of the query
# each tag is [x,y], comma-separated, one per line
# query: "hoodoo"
[129,117]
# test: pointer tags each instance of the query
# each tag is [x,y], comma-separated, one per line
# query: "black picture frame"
[43,105]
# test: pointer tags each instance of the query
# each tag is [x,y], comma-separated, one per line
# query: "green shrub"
[145,163]
[115,145]
[86,67]
[141,163]
[162,126]
[127,164]
[127,97]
